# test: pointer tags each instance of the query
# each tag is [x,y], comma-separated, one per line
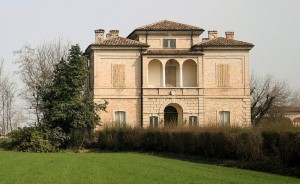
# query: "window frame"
[222,118]
[169,43]
[193,121]
[153,121]
[117,116]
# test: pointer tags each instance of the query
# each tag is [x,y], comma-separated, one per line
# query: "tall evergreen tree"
[68,104]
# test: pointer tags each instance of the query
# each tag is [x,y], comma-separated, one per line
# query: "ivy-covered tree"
[67,104]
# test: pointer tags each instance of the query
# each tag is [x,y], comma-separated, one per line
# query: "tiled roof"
[286,109]
[296,119]
[171,52]
[168,25]
[221,42]
[120,41]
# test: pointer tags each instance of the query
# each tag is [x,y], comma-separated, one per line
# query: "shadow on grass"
[274,168]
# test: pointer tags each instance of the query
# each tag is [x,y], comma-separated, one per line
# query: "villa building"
[163,74]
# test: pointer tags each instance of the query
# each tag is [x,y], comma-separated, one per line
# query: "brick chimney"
[114,33]
[212,34]
[99,35]
[230,35]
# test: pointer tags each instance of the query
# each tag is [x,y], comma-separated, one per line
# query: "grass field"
[16,167]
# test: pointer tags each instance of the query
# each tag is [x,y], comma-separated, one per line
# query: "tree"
[7,100]
[67,103]
[36,67]
[265,93]
[294,100]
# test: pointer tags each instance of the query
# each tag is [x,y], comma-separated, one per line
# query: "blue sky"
[273,26]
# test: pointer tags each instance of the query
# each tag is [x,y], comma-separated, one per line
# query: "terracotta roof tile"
[295,120]
[221,42]
[168,25]
[286,109]
[120,41]
[172,52]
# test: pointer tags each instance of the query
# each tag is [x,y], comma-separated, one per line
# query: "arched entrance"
[172,115]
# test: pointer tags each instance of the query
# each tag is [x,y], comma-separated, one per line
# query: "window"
[169,43]
[153,121]
[223,76]
[193,121]
[119,75]
[120,118]
[224,118]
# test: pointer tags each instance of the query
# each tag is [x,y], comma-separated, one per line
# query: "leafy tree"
[67,103]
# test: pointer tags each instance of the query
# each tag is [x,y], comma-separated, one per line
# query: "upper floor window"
[223,75]
[224,118]
[169,43]
[119,75]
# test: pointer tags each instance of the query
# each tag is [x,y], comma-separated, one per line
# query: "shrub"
[289,148]
[270,144]
[37,139]
[30,139]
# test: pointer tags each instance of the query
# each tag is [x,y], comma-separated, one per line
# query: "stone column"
[180,75]
[164,74]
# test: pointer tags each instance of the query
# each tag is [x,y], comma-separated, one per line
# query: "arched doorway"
[172,115]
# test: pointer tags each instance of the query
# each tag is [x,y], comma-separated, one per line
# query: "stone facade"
[162,74]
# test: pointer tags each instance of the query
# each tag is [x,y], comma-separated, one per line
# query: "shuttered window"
[119,75]
[223,76]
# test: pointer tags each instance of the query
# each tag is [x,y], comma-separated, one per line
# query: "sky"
[272,26]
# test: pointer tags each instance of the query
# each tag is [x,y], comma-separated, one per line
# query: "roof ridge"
[167,24]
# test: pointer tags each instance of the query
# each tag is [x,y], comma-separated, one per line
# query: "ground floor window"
[153,121]
[224,118]
[193,121]
[120,118]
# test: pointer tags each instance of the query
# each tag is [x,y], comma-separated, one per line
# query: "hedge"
[247,145]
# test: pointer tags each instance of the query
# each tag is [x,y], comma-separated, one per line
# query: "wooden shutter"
[223,76]
[119,75]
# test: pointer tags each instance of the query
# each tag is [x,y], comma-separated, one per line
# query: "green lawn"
[119,168]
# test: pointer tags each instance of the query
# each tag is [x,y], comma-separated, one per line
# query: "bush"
[37,139]
[30,139]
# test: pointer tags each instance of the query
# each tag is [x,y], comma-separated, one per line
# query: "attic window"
[169,43]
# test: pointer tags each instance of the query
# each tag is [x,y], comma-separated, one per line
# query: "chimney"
[230,35]
[114,33]
[108,36]
[99,35]
[212,34]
